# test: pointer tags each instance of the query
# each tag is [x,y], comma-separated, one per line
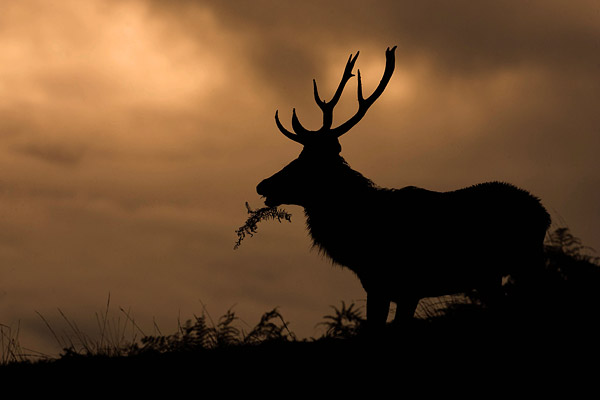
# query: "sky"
[132,132]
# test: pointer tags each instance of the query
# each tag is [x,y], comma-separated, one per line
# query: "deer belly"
[423,279]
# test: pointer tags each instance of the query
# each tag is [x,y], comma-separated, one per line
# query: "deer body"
[410,243]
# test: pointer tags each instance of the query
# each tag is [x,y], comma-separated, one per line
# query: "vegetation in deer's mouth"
[255,216]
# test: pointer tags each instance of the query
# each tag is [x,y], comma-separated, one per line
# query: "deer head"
[319,168]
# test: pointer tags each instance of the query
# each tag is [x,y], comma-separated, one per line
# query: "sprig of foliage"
[563,241]
[203,334]
[199,333]
[345,323]
[267,330]
[265,213]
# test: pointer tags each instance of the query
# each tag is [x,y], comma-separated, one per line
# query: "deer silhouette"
[410,243]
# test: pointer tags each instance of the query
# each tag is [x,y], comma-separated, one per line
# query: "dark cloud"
[459,37]
[54,153]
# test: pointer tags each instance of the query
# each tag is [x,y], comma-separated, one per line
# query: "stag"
[410,243]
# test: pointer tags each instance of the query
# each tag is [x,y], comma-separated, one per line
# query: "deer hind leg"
[492,295]
[378,308]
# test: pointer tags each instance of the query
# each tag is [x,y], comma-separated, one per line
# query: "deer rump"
[417,243]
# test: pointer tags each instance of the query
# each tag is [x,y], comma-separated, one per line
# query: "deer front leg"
[378,307]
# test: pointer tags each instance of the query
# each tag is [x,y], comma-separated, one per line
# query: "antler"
[301,134]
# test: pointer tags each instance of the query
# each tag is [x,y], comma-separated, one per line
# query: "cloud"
[54,154]
[458,37]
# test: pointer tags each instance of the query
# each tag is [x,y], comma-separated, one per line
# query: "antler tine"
[327,107]
[364,104]
[297,126]
[288,134]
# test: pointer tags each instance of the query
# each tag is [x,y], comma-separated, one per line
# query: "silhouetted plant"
[195,334]
[226,334]
[344,323]
[267,330]
[116,336]
[203,334]
[572,278]
[10,348]
[562,241]
[265,213]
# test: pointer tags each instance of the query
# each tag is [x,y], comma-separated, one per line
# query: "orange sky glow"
[132,132]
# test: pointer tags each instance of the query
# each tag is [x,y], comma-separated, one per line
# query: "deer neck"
[330,225]
[341,200]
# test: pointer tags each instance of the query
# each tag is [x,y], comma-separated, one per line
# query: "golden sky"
[133,131]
